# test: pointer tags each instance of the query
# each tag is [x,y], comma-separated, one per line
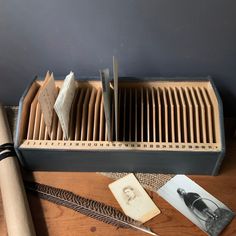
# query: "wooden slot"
[24,116]
[37,122]
[213,116]
[42,128]
[202,112]
[102,121]
[54,127]
[215,111]
[91,115]
[142,115]
[153,114]
[53,134]
[46,136]
[190,115]
[159,114]
[106,133]
[59,132]
[79,115]
[124,117]
[165,115]
[113,133]
[177,115]
[85,116]
[120,115]
[136,114]
[96,115]
[172,116]
[72,122]
[148,115]
[130,114]
[208,116]
[32,115]
[196,107]
[184,116]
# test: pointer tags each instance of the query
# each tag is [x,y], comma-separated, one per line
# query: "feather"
[88,207]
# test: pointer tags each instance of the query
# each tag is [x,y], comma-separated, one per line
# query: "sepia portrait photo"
[133,199]
[130,194]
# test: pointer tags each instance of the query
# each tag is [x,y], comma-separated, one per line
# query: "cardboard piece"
[47,97]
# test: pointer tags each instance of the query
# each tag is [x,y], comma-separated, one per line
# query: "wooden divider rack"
[165,126]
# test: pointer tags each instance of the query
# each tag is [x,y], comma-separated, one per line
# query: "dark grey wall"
[149,37]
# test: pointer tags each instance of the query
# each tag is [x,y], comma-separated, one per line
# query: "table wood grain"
[52,220]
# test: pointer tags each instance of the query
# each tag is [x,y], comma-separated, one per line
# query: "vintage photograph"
[133,199]
[204,210]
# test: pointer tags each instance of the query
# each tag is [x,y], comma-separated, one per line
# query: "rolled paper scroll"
[15,205]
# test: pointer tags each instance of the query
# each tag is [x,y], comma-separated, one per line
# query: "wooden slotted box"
[166,125]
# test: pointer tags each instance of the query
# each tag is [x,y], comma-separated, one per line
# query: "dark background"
[149,38]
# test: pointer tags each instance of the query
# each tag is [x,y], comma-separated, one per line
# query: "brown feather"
[88,207]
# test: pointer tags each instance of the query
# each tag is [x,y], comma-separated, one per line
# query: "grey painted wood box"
[166,125]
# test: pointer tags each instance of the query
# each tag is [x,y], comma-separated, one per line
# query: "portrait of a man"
[129,193]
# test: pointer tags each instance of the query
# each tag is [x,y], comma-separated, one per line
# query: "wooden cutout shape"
[124,117]
[153,113]
[96,115]
[32,116]
[136,114]
[79,115]
[37,122]
[178,115]
[73,113]
[142,115]
[172,113]
[130,115]
[209,116]
[85,116]
[196,108]
[91,115]
[203,111]
[190,115]
[102,121]
[42,128]
[184,115]
[159,115]
[148,115]
[54,124]
[59,132]
[166,115]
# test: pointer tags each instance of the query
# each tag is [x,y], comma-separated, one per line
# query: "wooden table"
[53,220]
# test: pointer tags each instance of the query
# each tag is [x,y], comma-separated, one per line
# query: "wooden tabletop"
[53,220]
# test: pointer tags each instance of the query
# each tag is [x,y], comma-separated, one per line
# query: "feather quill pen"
[88,207]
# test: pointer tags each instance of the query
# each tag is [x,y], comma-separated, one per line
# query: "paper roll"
[15,205]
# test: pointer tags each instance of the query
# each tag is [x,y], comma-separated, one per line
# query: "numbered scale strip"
[101,145]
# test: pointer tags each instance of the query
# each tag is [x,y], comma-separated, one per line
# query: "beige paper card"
[133,199]
[64,101]
[47,98]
